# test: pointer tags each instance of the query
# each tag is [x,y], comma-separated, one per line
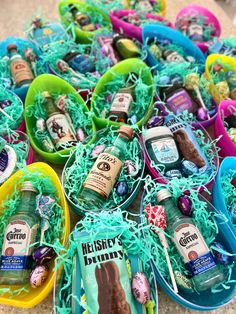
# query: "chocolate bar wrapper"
[104,273]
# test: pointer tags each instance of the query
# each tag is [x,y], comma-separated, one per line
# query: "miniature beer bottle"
[19,68]
[58,124]
[190,244]
[105,171]
[21,232]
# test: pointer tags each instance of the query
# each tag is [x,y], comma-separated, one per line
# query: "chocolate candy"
[202,114]
[185,205]
[233,213]
[174,173]
[80,135]
[217,68]
[122,188]
[97,150]
[221,257]
[189,167]
[133,119]
[164,80]
[43,254]
[38,276]
[161,108]
[41,125]
[183,282]
[155,121]
[5,103]
[141,288]
[130,168]
[177,80]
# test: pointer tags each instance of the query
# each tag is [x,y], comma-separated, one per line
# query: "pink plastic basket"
[227,146]
[130,29]
[192,9]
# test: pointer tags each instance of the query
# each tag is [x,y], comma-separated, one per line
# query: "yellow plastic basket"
[35,296]
[224,60]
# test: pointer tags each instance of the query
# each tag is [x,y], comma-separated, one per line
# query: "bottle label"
[121,102]
[165,151]
[174,57]
[60,129]
[179,102]
[103,174]
[193,248]
[21,71]
[15,252]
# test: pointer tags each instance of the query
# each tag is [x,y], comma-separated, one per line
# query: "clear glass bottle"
[105,171]
[19,68]
[20,233]
[58,125]
[190,244]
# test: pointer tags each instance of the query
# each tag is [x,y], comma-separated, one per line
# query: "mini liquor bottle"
[195,31]
[21,232]
[82,19]
[173,56]
[105,171]
[125,47]
[121,105]
[19,68]
[58,125]
[190,244]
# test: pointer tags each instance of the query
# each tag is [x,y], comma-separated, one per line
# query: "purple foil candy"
[161,108]
[155,121]
[141,288]
[122,188]
[221,257]
[97,150]
[185,205]
[202,114]
[43,254]
[5,103]
[80,135]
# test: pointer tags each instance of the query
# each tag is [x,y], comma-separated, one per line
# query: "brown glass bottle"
[20,69]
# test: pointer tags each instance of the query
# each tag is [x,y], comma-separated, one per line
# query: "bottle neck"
[121,141]
[50,106]
[172,211]
[28,202]
[14,53]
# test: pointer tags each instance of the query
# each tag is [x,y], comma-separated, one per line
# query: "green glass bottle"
[20,233]
[190,244]
[105,171]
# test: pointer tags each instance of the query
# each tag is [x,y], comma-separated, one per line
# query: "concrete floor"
[14,15]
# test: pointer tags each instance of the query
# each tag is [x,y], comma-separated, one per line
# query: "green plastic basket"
[52,84]
[82,36]
[123,68]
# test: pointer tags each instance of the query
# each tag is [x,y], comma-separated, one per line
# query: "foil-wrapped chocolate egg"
[133,119]
[177,80]
[43,254]
[122,188]
[185,205]
[130,168]
[41,125]
[174,173]
[202,114]
[164,80]
[5,103]
[161,108]
[155,121]
[97,150]
[189,168]
[141,288]
[80,135]
[38,276]
[221,257]
[183,282]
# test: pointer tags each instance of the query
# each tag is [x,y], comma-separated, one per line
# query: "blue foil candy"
[189,168]
[174,173]
[122,188]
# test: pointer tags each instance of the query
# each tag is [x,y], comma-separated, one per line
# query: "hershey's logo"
[187,238]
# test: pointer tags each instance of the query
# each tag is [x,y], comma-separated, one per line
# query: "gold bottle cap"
[11,47]
[125,129]
[46,94]
[28,186]
[162,194]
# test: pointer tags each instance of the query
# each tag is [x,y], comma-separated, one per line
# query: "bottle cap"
[125,129]
[28,186]
[157,131]
[11,47]
[163,194]
[46,95]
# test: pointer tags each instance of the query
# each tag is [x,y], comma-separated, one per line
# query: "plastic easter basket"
[35,296]
[152,32]
[52,84]
[129,29]
[160,3]
[207,300]
[78,159]
[21,44]
[227,146]
[211,19]
[164,180]
[227,63]
[122,68]
[229,163]
[82,37]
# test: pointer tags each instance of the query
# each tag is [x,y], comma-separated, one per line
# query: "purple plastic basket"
[160,179]
[130,29]
[227,146]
